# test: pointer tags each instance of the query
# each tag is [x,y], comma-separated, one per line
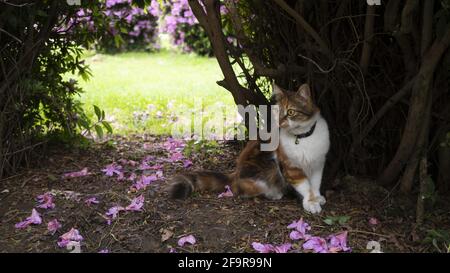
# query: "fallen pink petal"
[35,218]
[144,166]
[262,248]
[284,248]
[173,144]
[144,181]
[187,239]
[136,204]
[147,146]
[300,230]
[226,193]
[112,169]
[177,156]
[316,244]
[22,224]
[156,167]
[187,163]
[83,172]
[132,177]
[72,235]
[160,174]
[92,200]
[373,221]
[46,201]
[338,243]
[114,211]
[53,226]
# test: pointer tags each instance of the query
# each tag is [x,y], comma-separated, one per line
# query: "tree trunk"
[420,93]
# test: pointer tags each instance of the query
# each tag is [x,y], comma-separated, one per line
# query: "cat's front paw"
[312,206]
[321,199]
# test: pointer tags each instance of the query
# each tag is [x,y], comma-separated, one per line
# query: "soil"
[219,224]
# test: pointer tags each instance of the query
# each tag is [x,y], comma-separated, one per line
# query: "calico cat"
[297,163]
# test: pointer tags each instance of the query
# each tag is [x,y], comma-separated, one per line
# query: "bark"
[306,26]
[420,152]
[420,207]
[368,39]
[209,18]
[420,94]
[407,181]
[444,162]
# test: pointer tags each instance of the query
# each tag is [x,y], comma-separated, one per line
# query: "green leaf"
[107,126]
[118,40]
[99,131]
[52,177]
[98,112]
[328,221]
[84,123]
[343,219]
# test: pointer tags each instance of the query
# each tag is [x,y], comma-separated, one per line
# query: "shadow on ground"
[219,224]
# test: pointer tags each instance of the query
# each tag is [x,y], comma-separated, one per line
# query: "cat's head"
[297,109]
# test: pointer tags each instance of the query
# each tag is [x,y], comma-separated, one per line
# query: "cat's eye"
[291,112]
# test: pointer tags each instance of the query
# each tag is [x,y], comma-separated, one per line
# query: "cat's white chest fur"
[310,152]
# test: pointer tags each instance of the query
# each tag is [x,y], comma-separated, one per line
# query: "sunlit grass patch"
[140,92]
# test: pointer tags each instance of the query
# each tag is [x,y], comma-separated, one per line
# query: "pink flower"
[144,166]
[187,239]
[104,251]
[112,169]
[114,211]
[187,163]
[316,244]
[35,219]
[156,167]
[172,250]
[173,144]
[46,201]
[338,242]
[284,248]
[83,172]
[53,226]
[72,235]
[92,200]
[301,229]
[159,174]
[177,156]
[373,221]
[136,204]
[127,162]
[226,193]
[132,177]
[147,146]
[121,176]
[262,248]
[144,182]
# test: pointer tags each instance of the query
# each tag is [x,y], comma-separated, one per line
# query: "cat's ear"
[304,92]
[276,90]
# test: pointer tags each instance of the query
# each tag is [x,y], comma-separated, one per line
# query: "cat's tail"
[182,186]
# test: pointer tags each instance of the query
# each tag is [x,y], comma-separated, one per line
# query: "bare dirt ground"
[218,224]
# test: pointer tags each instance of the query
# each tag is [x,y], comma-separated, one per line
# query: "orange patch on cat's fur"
[293,175]
[247,187]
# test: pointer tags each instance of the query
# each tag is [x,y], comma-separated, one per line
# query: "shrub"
[184,29]
[35,99]
[128,27]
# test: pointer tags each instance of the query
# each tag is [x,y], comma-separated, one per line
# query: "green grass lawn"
[140,91]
